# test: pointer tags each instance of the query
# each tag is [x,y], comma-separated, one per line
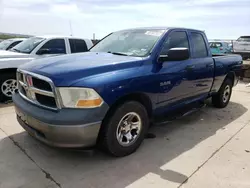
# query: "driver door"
[173,80]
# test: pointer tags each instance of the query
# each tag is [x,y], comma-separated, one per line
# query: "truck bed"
[225,63]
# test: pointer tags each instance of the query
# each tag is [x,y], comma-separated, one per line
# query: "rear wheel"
[8,86]
[125,130]
[222,98]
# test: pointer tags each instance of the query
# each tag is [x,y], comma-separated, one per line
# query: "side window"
[200,49]
[54,46]
[174,40]
[13,44]
[77,45]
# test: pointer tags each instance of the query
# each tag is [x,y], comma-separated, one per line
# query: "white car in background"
[10,43]
[32,48]
[242,47]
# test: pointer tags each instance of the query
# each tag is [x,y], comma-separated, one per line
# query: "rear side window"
[77,45]
[55,46]
[176,39]
[200,49]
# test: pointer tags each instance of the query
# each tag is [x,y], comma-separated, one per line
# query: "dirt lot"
[210,148]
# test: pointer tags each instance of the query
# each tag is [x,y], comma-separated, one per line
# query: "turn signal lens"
[89,103]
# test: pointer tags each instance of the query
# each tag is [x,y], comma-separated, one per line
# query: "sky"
[220,19]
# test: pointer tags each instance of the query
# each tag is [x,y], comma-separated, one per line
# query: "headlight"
[80,97]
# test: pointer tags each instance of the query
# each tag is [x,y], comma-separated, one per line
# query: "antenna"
[70,26]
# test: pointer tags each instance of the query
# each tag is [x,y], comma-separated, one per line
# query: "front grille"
[41,84]
[46,100]
[37,89]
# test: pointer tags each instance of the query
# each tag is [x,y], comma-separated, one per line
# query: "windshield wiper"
[15,50]
[117,53]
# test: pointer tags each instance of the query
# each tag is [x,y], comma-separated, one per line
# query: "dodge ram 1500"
[108,96]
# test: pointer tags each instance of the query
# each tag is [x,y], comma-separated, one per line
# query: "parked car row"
[108,95]
[241,46]
[33,48]
[10,43]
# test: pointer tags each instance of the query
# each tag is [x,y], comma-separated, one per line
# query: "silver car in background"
[242,47]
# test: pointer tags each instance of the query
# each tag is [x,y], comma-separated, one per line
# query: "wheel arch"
[231,75]
[138,97]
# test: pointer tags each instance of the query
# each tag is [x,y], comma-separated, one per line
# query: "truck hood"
[9,54]
[68,69]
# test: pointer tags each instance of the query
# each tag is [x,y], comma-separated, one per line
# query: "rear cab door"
[201,71]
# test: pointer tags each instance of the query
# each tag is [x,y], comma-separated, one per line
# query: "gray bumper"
[69,128]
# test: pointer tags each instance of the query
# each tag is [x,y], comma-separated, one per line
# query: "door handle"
[190,67]
[210,65]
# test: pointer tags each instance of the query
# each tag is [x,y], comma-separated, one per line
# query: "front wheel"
[8,86]
[125,130]
[222,98]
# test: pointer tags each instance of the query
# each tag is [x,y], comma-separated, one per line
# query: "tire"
[222,98]
[109,139]
[8,86]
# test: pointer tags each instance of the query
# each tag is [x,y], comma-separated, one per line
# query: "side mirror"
[43,51]
[175,54]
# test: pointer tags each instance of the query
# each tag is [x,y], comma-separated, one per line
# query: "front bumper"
[70,128]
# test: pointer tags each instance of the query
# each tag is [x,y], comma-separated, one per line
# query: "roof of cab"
[16,39]
[58,36]
[162,28]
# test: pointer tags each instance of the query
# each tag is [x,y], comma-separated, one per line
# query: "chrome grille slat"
[42,92]
[22,84]
[29,92]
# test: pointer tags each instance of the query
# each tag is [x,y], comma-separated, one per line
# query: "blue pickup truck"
[108,96]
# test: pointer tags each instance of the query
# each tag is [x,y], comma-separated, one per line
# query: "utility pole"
[93,36]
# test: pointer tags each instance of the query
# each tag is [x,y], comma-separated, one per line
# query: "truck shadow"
[94,169]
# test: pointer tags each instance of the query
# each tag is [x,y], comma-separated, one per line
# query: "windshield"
[5,44]
[244,39]
[28,45]
[130,42]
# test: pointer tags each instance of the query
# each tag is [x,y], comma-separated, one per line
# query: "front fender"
[114,85]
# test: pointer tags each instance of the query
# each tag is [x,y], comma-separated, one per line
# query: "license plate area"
[22,116]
